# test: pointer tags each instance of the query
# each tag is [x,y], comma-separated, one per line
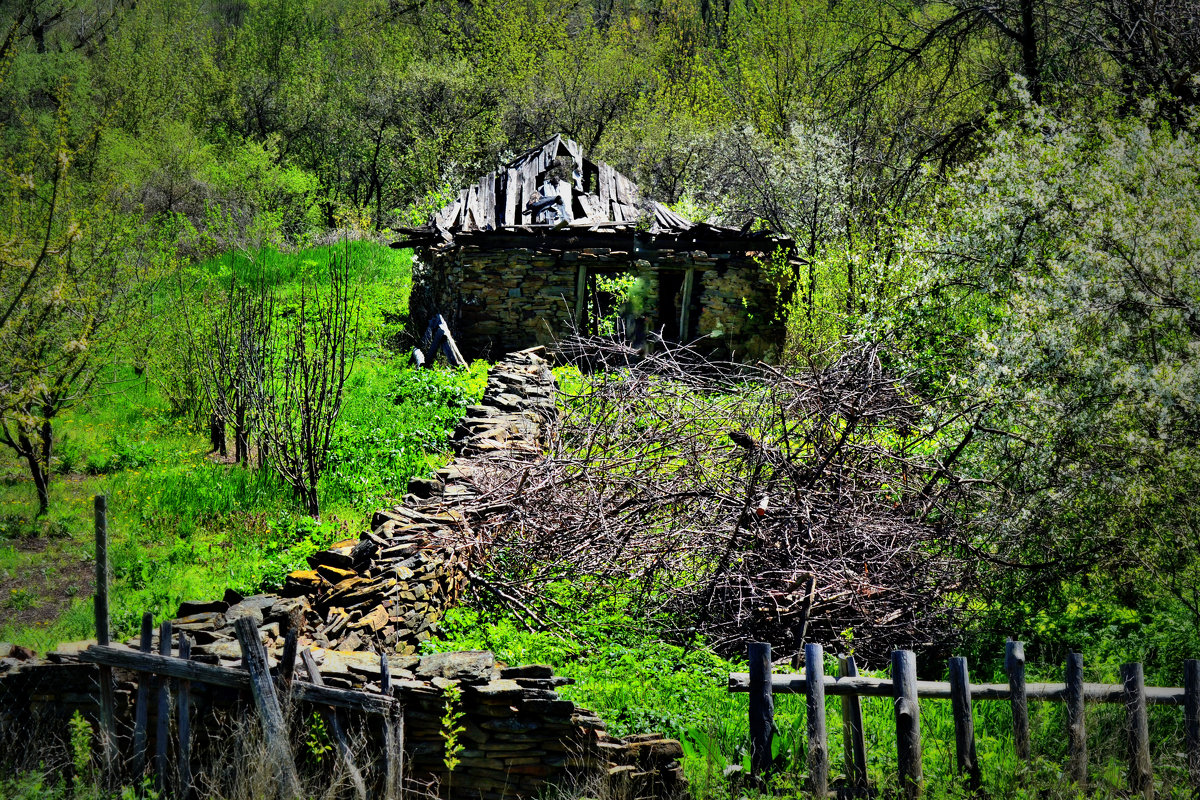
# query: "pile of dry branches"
[740,502]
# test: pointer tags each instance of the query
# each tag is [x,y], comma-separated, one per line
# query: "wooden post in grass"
[1191,719]
[1141,778]
[183,702]
[964,722]
[393,735]
[262,688]
[1014,665]
[908,722]
[163,730]
[1076,730]
[108,726]
[142,709]
[818,742]
[854,745]
[762,709]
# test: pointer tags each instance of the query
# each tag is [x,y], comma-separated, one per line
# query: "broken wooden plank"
[163,729]
[685,310]
[142,708]
[336,728]
[183,710]
[108,725]
[512,196]
[605,191]
[124,658]
[262,688]
[528,188]
[393,735]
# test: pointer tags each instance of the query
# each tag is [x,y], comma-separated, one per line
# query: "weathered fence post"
[335,727]
[254,658]
[142,710]
[908,722]
[1141,778]
[762,708]
[1076,731]
[1191,719]
[854,746]
[964,721]
[393,735]
[818,742]
[1014,665]
[108,726]
[183,702]
[287,661]
[163,729]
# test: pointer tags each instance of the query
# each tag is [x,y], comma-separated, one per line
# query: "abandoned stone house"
[528,253]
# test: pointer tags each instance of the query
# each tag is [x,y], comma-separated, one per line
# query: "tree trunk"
[216,433]
[39,470]
[1029,51]
[311,504]
[241,438]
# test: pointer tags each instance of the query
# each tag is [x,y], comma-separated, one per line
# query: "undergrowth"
[639,682]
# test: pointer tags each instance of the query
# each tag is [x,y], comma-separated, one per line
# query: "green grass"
[181,525]
[638,683]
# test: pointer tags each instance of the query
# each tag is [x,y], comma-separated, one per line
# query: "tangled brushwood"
[738,502]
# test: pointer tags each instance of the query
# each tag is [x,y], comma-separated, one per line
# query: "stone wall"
[387,592]
[505,299]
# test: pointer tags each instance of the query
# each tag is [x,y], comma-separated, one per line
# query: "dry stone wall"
[505,299]
[386,592]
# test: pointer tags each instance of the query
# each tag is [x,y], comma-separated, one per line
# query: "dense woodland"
[1002,200]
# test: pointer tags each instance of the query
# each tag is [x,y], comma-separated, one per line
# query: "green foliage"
[81,745]
[185,527]
[317,742]
[1056,306]
[452,728]
[394,419]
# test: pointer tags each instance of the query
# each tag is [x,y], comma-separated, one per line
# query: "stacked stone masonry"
[387,592]
[504,299]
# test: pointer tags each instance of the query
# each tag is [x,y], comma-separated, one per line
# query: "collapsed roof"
[554,188]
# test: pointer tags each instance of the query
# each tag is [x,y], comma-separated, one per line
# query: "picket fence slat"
[1076,730]
[818,741]
[853,740]
[964,722]
[908,723]
[1014,665]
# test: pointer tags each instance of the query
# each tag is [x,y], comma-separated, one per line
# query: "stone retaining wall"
[387,592]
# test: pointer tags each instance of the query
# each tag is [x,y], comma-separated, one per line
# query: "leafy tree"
[70,270]
[1061,300]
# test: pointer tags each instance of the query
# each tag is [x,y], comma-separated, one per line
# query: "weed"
[21,599]
[452,728]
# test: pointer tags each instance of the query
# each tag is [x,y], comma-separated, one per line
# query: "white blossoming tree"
[1061,303]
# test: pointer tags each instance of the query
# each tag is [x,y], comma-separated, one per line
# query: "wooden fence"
[905,690]
[171,673]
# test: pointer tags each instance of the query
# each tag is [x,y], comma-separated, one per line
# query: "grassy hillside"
[184,523]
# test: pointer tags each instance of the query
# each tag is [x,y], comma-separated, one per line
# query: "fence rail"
[905,690]
[255,678]
[882,687]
